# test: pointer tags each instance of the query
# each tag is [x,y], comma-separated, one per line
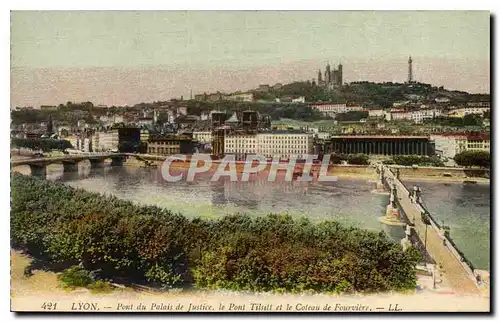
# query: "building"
[282,144]
[205,116]
[478,142]
[48,107]
[380,145]
[420,115]
[478,104]
[400,115]
[331,77]
[105,141]
[263,88]
[277,86]
[143,121]
[300,99]
[202,136]
[376,113]
[332,109]
[323,135]
[461,112]
[170,144]
[442,99]
[200,97]
[81,124]
[448,145]
[241,97]
[144,135]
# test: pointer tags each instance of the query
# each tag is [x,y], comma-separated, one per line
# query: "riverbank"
[368,172]
[29,294]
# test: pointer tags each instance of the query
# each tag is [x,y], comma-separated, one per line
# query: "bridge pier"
[70,166]
[38,170]
[117,161]
[392,209]
[96,163]
[380,180]
[406,242]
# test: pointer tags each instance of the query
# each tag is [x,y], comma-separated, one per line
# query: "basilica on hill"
[330,77]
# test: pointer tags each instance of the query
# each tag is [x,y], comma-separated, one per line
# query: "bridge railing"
[465,263]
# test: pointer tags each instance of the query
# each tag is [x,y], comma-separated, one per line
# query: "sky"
[117,58]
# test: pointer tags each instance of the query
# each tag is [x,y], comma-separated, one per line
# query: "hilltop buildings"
[330,77]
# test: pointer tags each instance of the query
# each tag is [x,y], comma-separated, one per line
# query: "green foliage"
[41,144]
[100,287]
[473,158]
[60,224]
[467,120]
[420,160]
[76,276]
[351,116]
[164,275]
[359,159]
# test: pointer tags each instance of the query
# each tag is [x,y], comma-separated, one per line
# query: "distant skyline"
[118,58]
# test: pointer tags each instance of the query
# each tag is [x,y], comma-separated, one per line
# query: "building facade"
[170,144]
[202,136]
[331,77]
[282,144]
[420,115]
[449,145]
[380,145]
[461,112]
[105,141]
[332,109]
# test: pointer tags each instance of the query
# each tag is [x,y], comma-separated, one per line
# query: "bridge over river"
[438,246]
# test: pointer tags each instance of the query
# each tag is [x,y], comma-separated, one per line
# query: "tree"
[473,158]
[359,159]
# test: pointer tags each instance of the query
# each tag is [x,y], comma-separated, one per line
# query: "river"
[465,208]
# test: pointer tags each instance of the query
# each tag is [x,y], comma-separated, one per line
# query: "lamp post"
[426,221]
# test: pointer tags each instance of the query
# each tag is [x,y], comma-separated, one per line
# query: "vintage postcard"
[250,161]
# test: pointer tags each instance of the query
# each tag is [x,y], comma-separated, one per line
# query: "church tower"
[320,77]
[328,74]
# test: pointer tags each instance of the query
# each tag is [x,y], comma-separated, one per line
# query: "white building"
[323,135]
[461,112]
[205,116]
[447,146]
[331,109]
[145,121]
[442,99]
[202,136]
[400,103]
[116,119]
[81,124]
[421,115]
[400,115]
[300,99]
[277,143]
[375,112]
[105,141]
[243,97]
[182,110]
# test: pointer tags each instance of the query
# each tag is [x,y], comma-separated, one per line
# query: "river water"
[465,208]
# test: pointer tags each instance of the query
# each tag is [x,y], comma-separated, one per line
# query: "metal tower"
[410,71]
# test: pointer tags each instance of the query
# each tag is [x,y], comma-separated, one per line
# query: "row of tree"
[473,159]
[355,159]
[45,145]
[421,160]
[118,239]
